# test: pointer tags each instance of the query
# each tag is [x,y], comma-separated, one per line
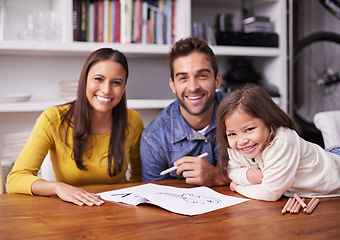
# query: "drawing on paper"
[187,201]
[188,197]
[194,198]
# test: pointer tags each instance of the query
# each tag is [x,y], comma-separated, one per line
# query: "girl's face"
[246,134]
[105,86]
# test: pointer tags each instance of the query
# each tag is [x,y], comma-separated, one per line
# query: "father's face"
[194,84]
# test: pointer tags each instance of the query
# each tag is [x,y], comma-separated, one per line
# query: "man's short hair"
[187,46]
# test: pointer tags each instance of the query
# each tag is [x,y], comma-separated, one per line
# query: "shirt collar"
[180,129]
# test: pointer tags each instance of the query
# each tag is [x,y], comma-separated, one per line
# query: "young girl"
[91,140]
[263,155]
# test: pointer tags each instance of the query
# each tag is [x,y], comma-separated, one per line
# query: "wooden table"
[34,217]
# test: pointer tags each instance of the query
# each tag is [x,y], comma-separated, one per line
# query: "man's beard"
[204,108]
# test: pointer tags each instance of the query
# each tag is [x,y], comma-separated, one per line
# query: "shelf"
[39,106]
[224,2]
[24,48]
[246,51]
[21,48]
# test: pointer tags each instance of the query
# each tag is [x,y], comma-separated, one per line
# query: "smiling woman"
[92,140]
[105,88]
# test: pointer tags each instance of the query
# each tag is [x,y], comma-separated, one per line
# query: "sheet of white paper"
[187,201]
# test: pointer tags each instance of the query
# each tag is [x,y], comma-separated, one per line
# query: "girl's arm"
[281,161]
[238,167]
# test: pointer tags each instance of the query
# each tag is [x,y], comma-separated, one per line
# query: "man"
[187,127]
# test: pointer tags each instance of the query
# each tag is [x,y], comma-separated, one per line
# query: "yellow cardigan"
[45,137]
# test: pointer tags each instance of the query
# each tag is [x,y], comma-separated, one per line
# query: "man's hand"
[198,171]
[254,174]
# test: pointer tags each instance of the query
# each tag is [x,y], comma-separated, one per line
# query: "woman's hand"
[77,196]
[254,174]
[66,192]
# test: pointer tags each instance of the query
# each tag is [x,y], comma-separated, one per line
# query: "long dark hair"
[78,116]
[255,101]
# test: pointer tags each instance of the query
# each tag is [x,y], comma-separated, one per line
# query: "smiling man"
[187,127]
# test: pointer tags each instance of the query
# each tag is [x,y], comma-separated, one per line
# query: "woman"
[92,140]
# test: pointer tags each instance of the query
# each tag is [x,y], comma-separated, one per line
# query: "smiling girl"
[263,155]
[92,140]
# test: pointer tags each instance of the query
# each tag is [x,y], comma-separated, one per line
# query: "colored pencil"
[297,209]
[284,209]
[302,203]
[309,204]
[296,204]
[289,208]
[174,168]
[312,207]
[253,161]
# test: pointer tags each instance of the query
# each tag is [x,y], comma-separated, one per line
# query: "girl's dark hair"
[186,46]
[78,116]
[255,101]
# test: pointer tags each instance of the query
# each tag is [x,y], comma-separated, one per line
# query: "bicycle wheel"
[316,77]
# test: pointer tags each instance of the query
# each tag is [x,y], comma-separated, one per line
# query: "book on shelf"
[117,22]
[204,31]
[151,36]
[75,20]
[106,21]
[160,23]
[80,19]
[91,21]
[100,21]
[137,22]
[110,21]
[124,21]
[144,22]
[126,11]
[169,23]
[83,20]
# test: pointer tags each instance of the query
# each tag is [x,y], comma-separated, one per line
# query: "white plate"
[15,97]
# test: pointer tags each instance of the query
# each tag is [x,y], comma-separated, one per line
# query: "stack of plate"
[68,89]
[11,146]
[15,97]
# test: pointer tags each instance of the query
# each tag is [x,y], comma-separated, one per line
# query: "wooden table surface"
[35,217]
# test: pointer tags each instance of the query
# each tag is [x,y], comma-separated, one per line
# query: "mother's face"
[105,85]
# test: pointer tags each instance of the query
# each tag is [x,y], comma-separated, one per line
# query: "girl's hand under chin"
[233,187]
[254,174]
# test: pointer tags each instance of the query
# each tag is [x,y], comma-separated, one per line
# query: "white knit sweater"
[289,164]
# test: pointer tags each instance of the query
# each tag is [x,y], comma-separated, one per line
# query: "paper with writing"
[186,201]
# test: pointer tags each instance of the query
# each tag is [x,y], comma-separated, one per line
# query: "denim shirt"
[169,137]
